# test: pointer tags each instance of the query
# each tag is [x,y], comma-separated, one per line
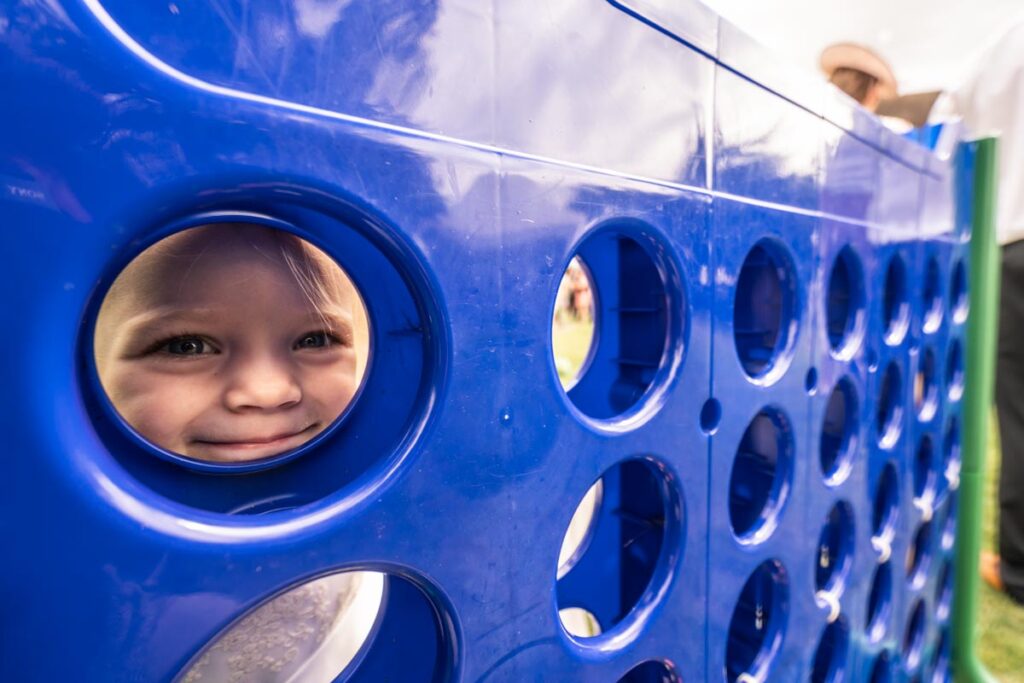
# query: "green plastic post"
[982,330]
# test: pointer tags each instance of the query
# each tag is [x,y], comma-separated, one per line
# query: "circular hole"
[710,415]
[949,530]
[219,376]
[758,622]
[913,639]
[637,313]
[958,299]
[881,672]
[944,592]
[839,432]
[895,308]
[759,483]
[844,303]
[951,453]
[580,528]
[919,555]
[651,671]
[764,313]
[940,660]
[879,602]
[572,327]
[811,382]
[955,371]
[926,387]
[343,625]
[932,296]
[835,549]
[830,656]
[924,477]
[886,503]
[625,534]
[889,416]
[579,622]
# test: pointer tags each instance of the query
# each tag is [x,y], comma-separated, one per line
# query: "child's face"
[209,348]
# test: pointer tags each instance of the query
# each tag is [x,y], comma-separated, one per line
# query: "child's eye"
[315,340]
[186,346]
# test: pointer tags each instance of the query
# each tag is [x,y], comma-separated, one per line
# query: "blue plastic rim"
[955,371]
[895,302]
[931,296]
[834,555]
[919,555]
[765,310]
[879,607]
[839,431]
[761,473]
[640,321]
[885,507]
[889,409]
[831,654]
[758,623]
[926,385]
[651,671]
[882,671]
[924,469]
[944,591]
[959,302]
[844,304]
[951,457]
[913,639]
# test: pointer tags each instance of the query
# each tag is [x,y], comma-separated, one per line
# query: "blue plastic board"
[771,404]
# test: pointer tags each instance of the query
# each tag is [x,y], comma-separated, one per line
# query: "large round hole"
[958,299]
[889,411]
[231,345]
[932,296]
[885,503]
[835,549]
[623,534]
[651,671]
[955,371]
[345,624]
[844,303]
[638,313]
[839,432]
[944,591]
[759,483]
[765,309]
[879,602]
[924,470]
[572,328]
[895,306]
[913,639]
[758,622]
[926,385]
[830,656]
[919,555]
[881,672]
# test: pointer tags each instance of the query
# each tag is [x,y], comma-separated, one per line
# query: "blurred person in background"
[860,73]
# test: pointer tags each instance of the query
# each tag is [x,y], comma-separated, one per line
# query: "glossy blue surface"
[453,156]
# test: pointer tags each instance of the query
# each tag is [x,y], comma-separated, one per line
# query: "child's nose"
[262,383]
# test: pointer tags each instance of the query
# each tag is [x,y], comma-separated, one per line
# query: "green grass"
[1000,620]
[570,341]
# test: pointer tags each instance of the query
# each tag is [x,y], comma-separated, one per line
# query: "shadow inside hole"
[838,432]
[913,639]
[881,672]
[885,503]
[624,549]
[879,602]
[830,656]
[924,469]
[639,317]
[949,528]
[944,591]
[932,296]
[919,555]
[572,325]
[835,548]
[764,308]
[758,622]
[958,299]
[844,301]
[895,306]
[759,483]
[941,672]
[951,457]
[889,415]
[955,371]
[651,672]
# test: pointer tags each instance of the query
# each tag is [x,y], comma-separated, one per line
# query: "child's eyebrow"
[169,314]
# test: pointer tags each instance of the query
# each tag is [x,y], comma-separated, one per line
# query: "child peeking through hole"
[230,342]
[233,343]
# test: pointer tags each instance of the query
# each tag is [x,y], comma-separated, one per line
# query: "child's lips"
[255,442]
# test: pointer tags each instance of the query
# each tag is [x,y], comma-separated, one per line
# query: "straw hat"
[853,56]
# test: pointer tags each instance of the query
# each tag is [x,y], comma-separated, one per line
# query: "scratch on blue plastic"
[453,156]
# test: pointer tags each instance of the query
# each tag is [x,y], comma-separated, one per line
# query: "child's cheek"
[158,406]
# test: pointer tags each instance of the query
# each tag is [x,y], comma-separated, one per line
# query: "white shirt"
[991,102]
